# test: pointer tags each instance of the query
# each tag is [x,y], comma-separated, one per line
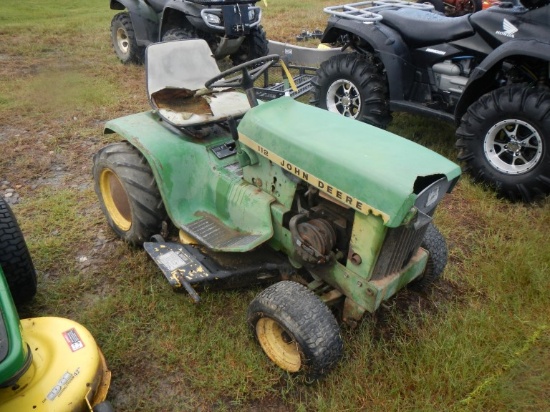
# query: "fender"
[177,13]
[144,20]
[207,187]
[480,82]
[386,43]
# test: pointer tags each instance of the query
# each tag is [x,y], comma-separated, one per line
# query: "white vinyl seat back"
[176,73]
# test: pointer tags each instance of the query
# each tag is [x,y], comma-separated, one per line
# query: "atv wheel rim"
[122,40]
[344,98]
[278,345]
[513,146]
[115,199]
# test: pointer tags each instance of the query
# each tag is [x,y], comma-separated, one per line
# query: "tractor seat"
[176,73]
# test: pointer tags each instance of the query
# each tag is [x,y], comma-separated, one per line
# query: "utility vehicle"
[225,191]
[231,27]
[46,363]
[486,72]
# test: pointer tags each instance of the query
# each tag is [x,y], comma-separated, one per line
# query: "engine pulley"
[314,239]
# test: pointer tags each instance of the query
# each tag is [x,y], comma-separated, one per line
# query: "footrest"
[216,236]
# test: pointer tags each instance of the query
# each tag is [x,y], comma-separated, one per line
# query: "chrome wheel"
[344,98]
[513,146]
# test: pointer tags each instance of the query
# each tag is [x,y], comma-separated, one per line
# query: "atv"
[46,363]
[231,27]
[487,73]
[224,191]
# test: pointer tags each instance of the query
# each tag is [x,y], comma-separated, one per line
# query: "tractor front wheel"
[127,192]
[296,330]
[504,141]
[15,258]
[434,243]
[353,85]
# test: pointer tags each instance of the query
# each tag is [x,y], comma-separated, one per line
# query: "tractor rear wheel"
[296,330]
[124,40]
[504,141]
[15,258]
[434,243]
[353,85]
[127,192]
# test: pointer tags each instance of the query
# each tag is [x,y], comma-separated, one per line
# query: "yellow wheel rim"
[115,199]
[281,348]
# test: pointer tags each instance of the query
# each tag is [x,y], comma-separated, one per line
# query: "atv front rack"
[367,11]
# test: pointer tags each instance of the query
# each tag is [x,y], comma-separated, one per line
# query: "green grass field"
[479,341]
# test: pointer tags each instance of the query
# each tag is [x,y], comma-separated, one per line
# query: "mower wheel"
[127,192]
[104,406]
[296,330]
[353,85]
[434,243]
[124,40]
[15,258]
[252,47]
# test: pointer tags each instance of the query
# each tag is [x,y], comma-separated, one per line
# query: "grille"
[399,247]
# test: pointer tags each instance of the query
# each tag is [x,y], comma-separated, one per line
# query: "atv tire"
[252,47]
[124,40]
[434,243]
[180,34]
[353,85]
[127,192]
[504,141]
[15,258]
[295,329]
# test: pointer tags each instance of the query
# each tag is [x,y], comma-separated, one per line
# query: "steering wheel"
[250,71]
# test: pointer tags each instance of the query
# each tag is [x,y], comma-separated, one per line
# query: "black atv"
[230,27]
[486,72]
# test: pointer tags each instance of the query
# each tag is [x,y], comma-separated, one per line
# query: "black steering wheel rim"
[247,77]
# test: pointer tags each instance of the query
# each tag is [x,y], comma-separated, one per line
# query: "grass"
[479,341]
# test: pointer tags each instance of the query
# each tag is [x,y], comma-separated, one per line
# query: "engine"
[451,77]
[320,228]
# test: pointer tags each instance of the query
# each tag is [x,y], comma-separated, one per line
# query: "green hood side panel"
[195,184]
[372,165]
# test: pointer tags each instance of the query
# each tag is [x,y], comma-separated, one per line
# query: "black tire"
[295,329]
[353,85]
[124,41]
[187,33]
[253,46]
[127,192]
[435,244]
[518,169]
[15,258]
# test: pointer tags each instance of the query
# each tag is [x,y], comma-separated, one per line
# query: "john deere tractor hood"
[370,169]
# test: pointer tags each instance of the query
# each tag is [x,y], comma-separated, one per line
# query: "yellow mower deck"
[68,372]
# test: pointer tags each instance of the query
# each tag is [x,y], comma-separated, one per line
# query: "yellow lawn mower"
[46,363]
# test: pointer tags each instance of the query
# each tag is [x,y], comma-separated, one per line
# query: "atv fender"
[182,14]
[387,45]
[144,20]
[480,82]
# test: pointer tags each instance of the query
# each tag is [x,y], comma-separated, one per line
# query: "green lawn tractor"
[47,363]
[225,191]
